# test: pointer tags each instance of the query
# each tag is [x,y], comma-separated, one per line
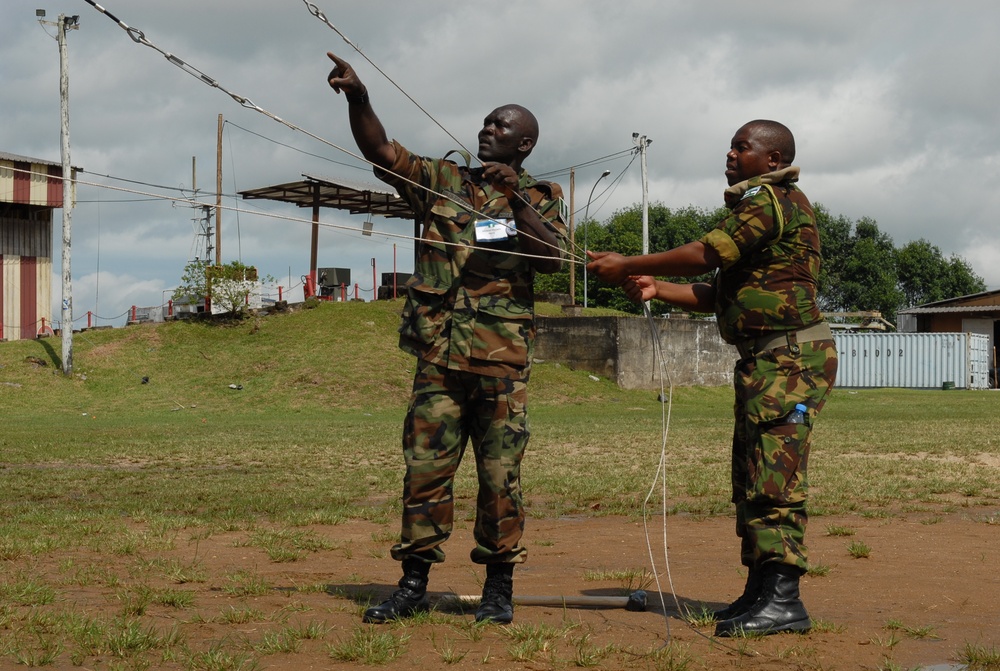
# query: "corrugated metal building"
[30,189]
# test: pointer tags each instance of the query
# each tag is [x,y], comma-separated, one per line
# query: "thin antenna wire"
[140,38]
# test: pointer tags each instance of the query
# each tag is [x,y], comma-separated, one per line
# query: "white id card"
[493,230]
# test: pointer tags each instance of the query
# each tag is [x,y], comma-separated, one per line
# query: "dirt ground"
[929,587]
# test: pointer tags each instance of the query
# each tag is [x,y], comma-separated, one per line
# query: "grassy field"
[291,420]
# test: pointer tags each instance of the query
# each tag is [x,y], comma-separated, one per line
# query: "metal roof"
[342,194]
[7,156]
[960,299]
[944,309]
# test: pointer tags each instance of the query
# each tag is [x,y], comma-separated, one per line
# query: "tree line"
[862,268]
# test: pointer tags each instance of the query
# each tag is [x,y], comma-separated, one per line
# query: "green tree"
[870,278]
[194,284]
[962,280]
[622,233]
[228,285]
[836,241]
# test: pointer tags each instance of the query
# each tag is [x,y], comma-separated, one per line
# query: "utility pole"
[63,24]
[641,142]
[218,196]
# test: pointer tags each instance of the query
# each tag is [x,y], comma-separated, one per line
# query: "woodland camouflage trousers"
[448,409]
[770,456]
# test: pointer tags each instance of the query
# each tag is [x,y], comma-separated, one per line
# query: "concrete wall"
[620,348]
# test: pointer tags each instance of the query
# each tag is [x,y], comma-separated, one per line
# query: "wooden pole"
[66,23]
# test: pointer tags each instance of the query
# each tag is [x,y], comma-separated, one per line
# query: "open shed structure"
[316,191]
[30,188]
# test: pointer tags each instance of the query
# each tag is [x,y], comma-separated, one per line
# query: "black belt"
[753,346]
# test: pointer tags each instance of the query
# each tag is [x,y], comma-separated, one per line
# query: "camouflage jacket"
[470,305]
[769,246]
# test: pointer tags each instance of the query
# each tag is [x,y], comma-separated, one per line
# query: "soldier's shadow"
[681,607]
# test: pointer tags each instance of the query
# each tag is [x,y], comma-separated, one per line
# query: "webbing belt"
[753,346]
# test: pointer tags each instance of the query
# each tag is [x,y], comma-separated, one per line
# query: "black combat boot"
[408,599]
[778,608]
[742,604]
[498,594]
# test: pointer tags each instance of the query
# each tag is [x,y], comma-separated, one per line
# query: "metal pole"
[218,195]
[641,141]
[572,234]
[587,228]
[66,23]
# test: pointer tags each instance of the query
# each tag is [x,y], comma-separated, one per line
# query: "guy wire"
[285,217]
[139,37]
[660,475]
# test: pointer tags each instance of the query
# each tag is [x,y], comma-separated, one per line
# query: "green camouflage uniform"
[469,320]
[770,251]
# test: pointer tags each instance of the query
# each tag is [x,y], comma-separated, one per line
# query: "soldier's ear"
[527,144]
[774,160]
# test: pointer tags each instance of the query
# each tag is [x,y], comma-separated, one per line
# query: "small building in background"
[975,313]
[30,188]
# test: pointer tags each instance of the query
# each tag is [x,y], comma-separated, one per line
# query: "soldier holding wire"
[767,255]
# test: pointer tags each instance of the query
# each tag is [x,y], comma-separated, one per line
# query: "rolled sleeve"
[723,245]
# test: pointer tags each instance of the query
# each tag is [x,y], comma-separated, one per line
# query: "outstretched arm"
[698,297]
[365,125]
[688,260]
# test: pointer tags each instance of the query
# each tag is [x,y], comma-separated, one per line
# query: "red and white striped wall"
[25,296]
[27,183]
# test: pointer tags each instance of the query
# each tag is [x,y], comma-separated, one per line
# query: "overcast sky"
[894,106]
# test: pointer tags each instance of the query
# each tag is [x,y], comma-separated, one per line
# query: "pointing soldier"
[469,320]
[767,254]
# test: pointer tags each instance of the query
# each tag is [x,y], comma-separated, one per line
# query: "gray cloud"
[893,106]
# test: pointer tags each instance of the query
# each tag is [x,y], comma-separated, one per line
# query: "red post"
[355,291]
[279,292]
[133,313]
[170,308]
[343,293]
[89,313]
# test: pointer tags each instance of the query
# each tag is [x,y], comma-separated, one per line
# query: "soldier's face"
[748,156]
[502,136]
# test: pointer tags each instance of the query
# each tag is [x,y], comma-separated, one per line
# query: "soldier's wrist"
[357,98]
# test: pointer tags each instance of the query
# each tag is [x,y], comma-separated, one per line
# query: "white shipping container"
[913,360]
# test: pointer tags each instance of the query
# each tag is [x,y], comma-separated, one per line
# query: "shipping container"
[913,360]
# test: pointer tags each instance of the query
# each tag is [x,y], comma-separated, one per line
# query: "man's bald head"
[509,134]
[775,137]
[757,148]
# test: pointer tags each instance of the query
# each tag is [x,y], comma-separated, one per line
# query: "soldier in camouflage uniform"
[469,320]
[767,254]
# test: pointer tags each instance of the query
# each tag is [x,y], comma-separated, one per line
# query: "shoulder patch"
[750,193]
[563,211]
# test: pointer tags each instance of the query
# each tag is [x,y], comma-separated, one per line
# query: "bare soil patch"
[931,574]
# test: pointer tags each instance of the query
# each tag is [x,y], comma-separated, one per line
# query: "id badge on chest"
[495,230]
